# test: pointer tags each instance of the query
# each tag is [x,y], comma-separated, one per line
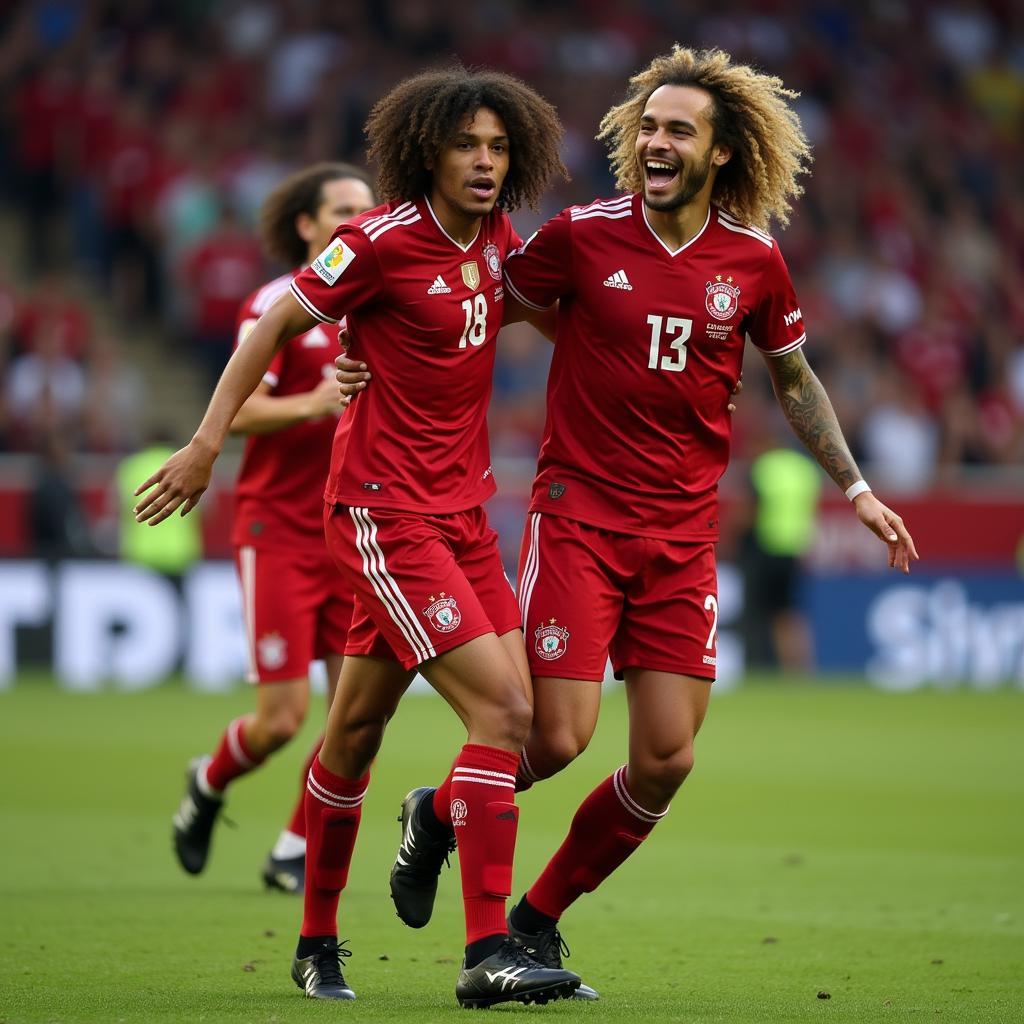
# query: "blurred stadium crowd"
[139,138]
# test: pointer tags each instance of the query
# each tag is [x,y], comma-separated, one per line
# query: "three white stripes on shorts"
[531,569]
[386,587]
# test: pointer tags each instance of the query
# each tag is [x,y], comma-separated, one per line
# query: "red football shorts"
[588,594]
[297,608]
[424,584]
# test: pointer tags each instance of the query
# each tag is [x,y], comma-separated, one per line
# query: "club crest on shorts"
[493,260]
[555,491]
[272,650]
[723,298]
[471,275]
[459,812]
[550,640]
[443,613]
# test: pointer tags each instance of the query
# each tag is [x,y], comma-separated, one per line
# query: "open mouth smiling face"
[660,174]
[675,145]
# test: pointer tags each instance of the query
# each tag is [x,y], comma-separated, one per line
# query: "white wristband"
[858,488]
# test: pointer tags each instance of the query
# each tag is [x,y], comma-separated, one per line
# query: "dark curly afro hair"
[409,127]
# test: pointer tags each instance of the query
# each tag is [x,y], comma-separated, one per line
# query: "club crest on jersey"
[443,613]
[493,260]
[550,640]
[272,649]
[723,298]
[555,491]
[333,262]
[471,275]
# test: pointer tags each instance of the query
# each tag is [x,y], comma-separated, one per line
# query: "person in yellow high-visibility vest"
[786,487]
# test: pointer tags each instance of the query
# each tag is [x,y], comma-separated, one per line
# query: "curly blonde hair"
[751,114]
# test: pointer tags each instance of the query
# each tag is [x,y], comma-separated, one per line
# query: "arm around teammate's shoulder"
[265,413]
[545,320]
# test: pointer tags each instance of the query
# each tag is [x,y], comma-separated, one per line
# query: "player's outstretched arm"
[182,479]
[810,414]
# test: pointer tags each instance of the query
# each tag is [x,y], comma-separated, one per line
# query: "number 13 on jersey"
[680,327]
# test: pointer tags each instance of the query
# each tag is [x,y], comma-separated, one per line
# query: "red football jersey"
[649,346]
[279,495]
[424,312]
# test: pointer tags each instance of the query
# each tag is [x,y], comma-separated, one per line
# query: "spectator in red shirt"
[219,273]
[41,108]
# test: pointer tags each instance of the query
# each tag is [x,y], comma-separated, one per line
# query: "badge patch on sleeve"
[333,261]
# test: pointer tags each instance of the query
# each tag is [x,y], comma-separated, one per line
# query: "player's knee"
[281,727]
[662,775]
[551,750]
[504,719]
[517,718]
[362,738]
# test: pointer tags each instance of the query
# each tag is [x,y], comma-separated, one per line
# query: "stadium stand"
[139,138]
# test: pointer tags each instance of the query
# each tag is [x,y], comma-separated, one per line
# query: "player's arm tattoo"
[810,414]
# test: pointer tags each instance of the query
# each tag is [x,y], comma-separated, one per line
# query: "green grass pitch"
[831,840]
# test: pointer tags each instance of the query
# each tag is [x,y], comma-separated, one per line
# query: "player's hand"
[731,407]
[351,375]
[178,483]
[887,525]
[324,400]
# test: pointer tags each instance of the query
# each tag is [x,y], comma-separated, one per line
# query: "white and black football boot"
[193,823]
[548,947]
[319,975]
[418,863]
[288,875]
[511,974]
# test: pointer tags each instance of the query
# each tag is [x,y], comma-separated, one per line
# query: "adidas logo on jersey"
[618,280]
[439,287]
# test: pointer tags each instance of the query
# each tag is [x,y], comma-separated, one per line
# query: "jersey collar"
[458,245]
[657,237]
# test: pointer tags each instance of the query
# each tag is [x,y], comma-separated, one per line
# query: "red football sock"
[333,808]
[485,817]
[525,775]
[442,799]
[232,758]
[297,825]
[606,829]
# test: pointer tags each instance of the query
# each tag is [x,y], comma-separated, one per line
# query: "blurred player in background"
[618,556]
[420,281]
[296,607]
[777,515]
